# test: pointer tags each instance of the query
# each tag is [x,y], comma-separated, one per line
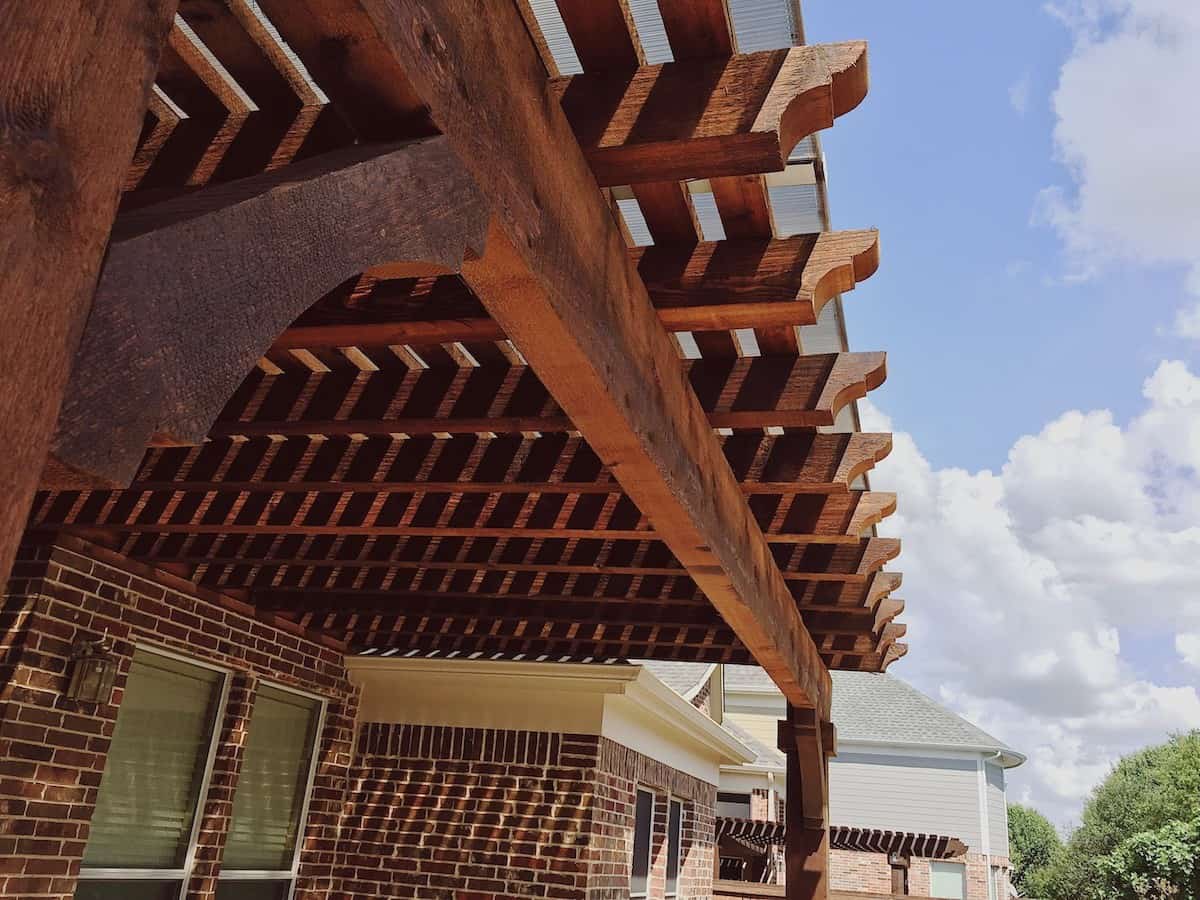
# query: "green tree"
[1163,864]
[1146,792]
[1032,844]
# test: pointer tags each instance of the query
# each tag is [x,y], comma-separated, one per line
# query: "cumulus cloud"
[1034,591]
[1123,133]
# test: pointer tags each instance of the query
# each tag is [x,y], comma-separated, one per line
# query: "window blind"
[674,838]
[151,785]
[274,777]
[642,821]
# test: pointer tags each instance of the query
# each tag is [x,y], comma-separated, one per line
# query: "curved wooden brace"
[714,117]
[195,290]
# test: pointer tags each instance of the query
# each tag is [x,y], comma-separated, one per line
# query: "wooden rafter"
[703,118]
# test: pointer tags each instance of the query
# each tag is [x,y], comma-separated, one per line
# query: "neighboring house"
[916,792]
[904,764]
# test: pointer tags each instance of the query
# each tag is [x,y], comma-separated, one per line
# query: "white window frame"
[183,875]
[960,867]
[293,872]
[643,789]
[671,798]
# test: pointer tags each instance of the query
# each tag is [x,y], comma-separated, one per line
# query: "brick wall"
[53,751]
[409,811]
[977,875]
[455,813]
[620,772]
[852,870]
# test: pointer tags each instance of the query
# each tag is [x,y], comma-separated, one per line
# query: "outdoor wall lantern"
[93,671]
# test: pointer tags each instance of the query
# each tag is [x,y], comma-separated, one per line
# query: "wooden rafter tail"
[705,118]
[889,608]
[231,268]
[164,116]
[883,584]
[870,450]
[894,652]
[717,285]
[852,376]
[872,508]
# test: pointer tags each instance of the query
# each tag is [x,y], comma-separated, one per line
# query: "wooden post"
[806,853]
[75,78]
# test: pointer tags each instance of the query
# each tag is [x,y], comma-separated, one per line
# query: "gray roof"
[879,708]
[684,678]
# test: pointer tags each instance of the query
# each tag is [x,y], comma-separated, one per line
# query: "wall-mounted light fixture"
[94,669]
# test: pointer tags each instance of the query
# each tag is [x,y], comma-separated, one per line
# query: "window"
[947,879]
[262,850]
[142,836]
[643,818]
[674,840]
[735,806]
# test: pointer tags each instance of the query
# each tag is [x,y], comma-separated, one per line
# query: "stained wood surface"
[75,79]
[472,537]
[231,268]
[704,118]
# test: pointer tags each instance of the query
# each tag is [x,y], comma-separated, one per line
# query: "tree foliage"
[1032,844]
[1136,840]
[1163,864]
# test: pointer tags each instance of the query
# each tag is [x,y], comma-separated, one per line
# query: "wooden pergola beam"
[712,285]
[710,117]
[75,80]
[784,392]
[195,290]
[556,276]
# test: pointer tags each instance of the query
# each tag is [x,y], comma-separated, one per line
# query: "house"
[326,339]
[905,764]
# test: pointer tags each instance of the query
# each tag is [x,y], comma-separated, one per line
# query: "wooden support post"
[807,742]
[75,79]
[195,290]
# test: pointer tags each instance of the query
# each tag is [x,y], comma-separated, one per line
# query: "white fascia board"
[652,695]
[1008,758]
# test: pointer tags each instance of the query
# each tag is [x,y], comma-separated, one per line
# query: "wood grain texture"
[704,118]
[75,80]
[556,276]
[230,268]
[785,392]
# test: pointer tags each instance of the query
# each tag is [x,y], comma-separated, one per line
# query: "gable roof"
[765,756]
[877,708]
[684,678]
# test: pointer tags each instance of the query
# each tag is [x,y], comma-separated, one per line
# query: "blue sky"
[986,340]
[1034,170]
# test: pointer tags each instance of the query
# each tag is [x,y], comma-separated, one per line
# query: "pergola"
[354,333]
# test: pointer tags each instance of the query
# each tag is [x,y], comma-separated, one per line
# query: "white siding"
[997,810]
[906,793]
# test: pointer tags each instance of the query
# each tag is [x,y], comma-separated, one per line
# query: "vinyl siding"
[760,727]
[997,810]
[906,793]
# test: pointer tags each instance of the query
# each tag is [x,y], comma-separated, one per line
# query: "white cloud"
[1188,648]
[1035,591]
[1018,94]
[1130,147]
